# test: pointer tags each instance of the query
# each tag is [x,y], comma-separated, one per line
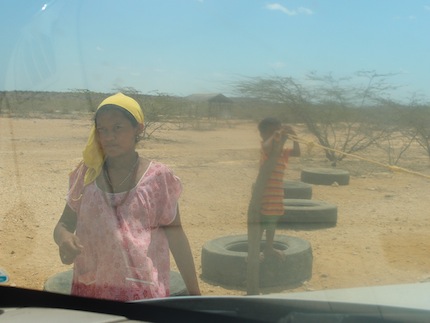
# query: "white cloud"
[289,12]
[278,7]
[305,11]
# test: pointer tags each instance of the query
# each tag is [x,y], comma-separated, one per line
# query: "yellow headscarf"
[93,154]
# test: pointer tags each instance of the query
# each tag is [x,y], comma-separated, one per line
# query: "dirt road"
[382,234]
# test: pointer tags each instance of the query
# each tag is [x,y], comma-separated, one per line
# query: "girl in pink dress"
[122,216]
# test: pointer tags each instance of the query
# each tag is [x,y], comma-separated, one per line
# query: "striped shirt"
[273,195]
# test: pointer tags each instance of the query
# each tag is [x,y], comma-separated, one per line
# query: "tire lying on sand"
[224,262]
[62,283]
[324,176]
[297,190]
[302,211]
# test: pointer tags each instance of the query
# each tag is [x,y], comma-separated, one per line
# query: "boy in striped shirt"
[274,135]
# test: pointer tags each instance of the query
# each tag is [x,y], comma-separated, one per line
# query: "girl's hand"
[70,248]
[277,135]
[288,130]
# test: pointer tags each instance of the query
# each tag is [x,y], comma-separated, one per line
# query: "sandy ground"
[382,234]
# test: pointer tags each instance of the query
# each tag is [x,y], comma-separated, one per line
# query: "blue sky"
[182,47]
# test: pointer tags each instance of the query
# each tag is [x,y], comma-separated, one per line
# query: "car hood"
[413,296]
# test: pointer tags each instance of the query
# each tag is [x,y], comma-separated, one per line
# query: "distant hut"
[213,105]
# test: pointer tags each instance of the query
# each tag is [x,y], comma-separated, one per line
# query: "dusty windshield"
[164,148]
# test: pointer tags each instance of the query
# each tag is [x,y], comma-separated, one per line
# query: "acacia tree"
[418,123]
[158,110]
[423,137]
[155,107]
[332,109]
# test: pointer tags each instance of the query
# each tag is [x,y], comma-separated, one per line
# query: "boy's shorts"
[269,221]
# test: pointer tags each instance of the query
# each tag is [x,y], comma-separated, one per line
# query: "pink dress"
[126,253]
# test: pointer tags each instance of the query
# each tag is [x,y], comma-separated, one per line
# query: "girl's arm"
[278,136]
[181,251]
[267,145]
[295,152]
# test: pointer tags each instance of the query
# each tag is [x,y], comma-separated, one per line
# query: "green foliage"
[342,114]
[346,115]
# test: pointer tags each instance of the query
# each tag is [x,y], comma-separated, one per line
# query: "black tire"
[62,283]
[302,211]
[325,176]
[224,262]
[297,190]
[177,285]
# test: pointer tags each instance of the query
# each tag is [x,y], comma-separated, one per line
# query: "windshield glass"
[201,147]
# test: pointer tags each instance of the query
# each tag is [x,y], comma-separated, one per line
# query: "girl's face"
[116,134]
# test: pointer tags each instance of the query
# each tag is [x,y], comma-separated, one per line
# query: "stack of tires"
[303,213]
[224,262]
[325,176]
